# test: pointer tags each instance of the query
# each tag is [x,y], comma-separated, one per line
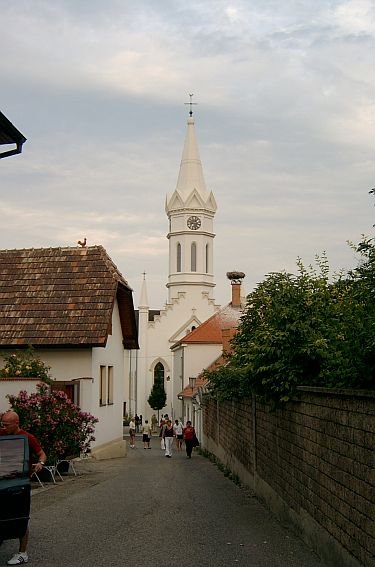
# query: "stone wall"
[311,461]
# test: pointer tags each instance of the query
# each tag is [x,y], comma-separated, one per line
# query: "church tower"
[191,209]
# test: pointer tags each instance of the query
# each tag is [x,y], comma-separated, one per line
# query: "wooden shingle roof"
[62,297]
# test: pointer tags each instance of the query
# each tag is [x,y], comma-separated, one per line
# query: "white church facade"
[190,210]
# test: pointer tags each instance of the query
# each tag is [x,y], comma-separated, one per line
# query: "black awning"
[10,135]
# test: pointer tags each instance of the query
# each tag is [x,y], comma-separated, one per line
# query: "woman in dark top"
[168,434]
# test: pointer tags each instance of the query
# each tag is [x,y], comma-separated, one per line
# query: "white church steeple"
[190,209]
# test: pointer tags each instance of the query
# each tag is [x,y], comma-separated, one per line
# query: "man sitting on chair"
[11,426]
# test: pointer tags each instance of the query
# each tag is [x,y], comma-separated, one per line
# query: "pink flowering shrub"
[60,426]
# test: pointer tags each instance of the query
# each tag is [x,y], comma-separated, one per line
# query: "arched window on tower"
[207,258]
[193,257]
[159,373]
[178,257]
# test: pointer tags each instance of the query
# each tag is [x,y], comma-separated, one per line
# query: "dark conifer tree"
[158,397]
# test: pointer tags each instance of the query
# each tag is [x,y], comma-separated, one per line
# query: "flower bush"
[60,426]
[26,365]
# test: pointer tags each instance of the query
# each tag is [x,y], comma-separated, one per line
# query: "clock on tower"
[194,223]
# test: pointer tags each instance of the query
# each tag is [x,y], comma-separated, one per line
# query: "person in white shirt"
[146,434]
[178,433]
[132,433]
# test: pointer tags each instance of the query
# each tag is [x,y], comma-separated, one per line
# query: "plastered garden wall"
[311,461]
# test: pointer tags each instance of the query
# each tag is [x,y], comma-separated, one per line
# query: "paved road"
[149,511]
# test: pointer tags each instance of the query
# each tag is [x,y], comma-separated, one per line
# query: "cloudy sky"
[285,124]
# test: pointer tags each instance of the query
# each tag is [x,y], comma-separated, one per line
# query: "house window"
[207,258]
[178,257]
[159,373]
[103,386]
[110,385]
[193,257]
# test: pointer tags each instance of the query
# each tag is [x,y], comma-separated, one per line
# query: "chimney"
[236,294]
[235,280]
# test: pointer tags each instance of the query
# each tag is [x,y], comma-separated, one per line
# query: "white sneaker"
[18,559]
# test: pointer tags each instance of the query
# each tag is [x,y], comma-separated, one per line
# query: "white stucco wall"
[197,357]
[67,364]
[14,387]
[110,426]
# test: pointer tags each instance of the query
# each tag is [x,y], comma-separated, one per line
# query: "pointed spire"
[143,302]
[191,192]
[191,171]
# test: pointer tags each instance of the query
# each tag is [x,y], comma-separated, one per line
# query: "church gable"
[194,200]
[174,203]
[185,329]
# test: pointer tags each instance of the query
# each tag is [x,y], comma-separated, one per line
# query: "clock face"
[194,223]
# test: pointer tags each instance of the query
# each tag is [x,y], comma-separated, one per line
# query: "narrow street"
[149,511]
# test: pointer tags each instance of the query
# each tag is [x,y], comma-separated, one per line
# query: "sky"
[285,123]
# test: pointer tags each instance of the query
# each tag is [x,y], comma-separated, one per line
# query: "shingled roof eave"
[60,344]
[96,336]
[127,316]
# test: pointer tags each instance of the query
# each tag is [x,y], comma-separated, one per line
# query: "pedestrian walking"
[178,433]
[136,421]
[10,426]
[189,438]
[154,421]
[168,435]
[162,425]
[146,434]
[132,433]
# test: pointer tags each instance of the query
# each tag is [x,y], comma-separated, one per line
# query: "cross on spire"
[190,103]
[144,275]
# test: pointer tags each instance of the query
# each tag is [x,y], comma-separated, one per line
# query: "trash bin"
[14,486]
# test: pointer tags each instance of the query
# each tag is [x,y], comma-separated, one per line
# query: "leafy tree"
[158,397]
[363,286]
[303,330]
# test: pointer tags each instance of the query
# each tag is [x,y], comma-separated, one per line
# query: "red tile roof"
[62,297]
[189,392]
[210,331]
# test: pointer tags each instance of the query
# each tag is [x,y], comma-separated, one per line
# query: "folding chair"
[37,478]
[52,469]
[70,465]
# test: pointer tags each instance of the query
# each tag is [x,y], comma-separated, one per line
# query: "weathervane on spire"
[191,104]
